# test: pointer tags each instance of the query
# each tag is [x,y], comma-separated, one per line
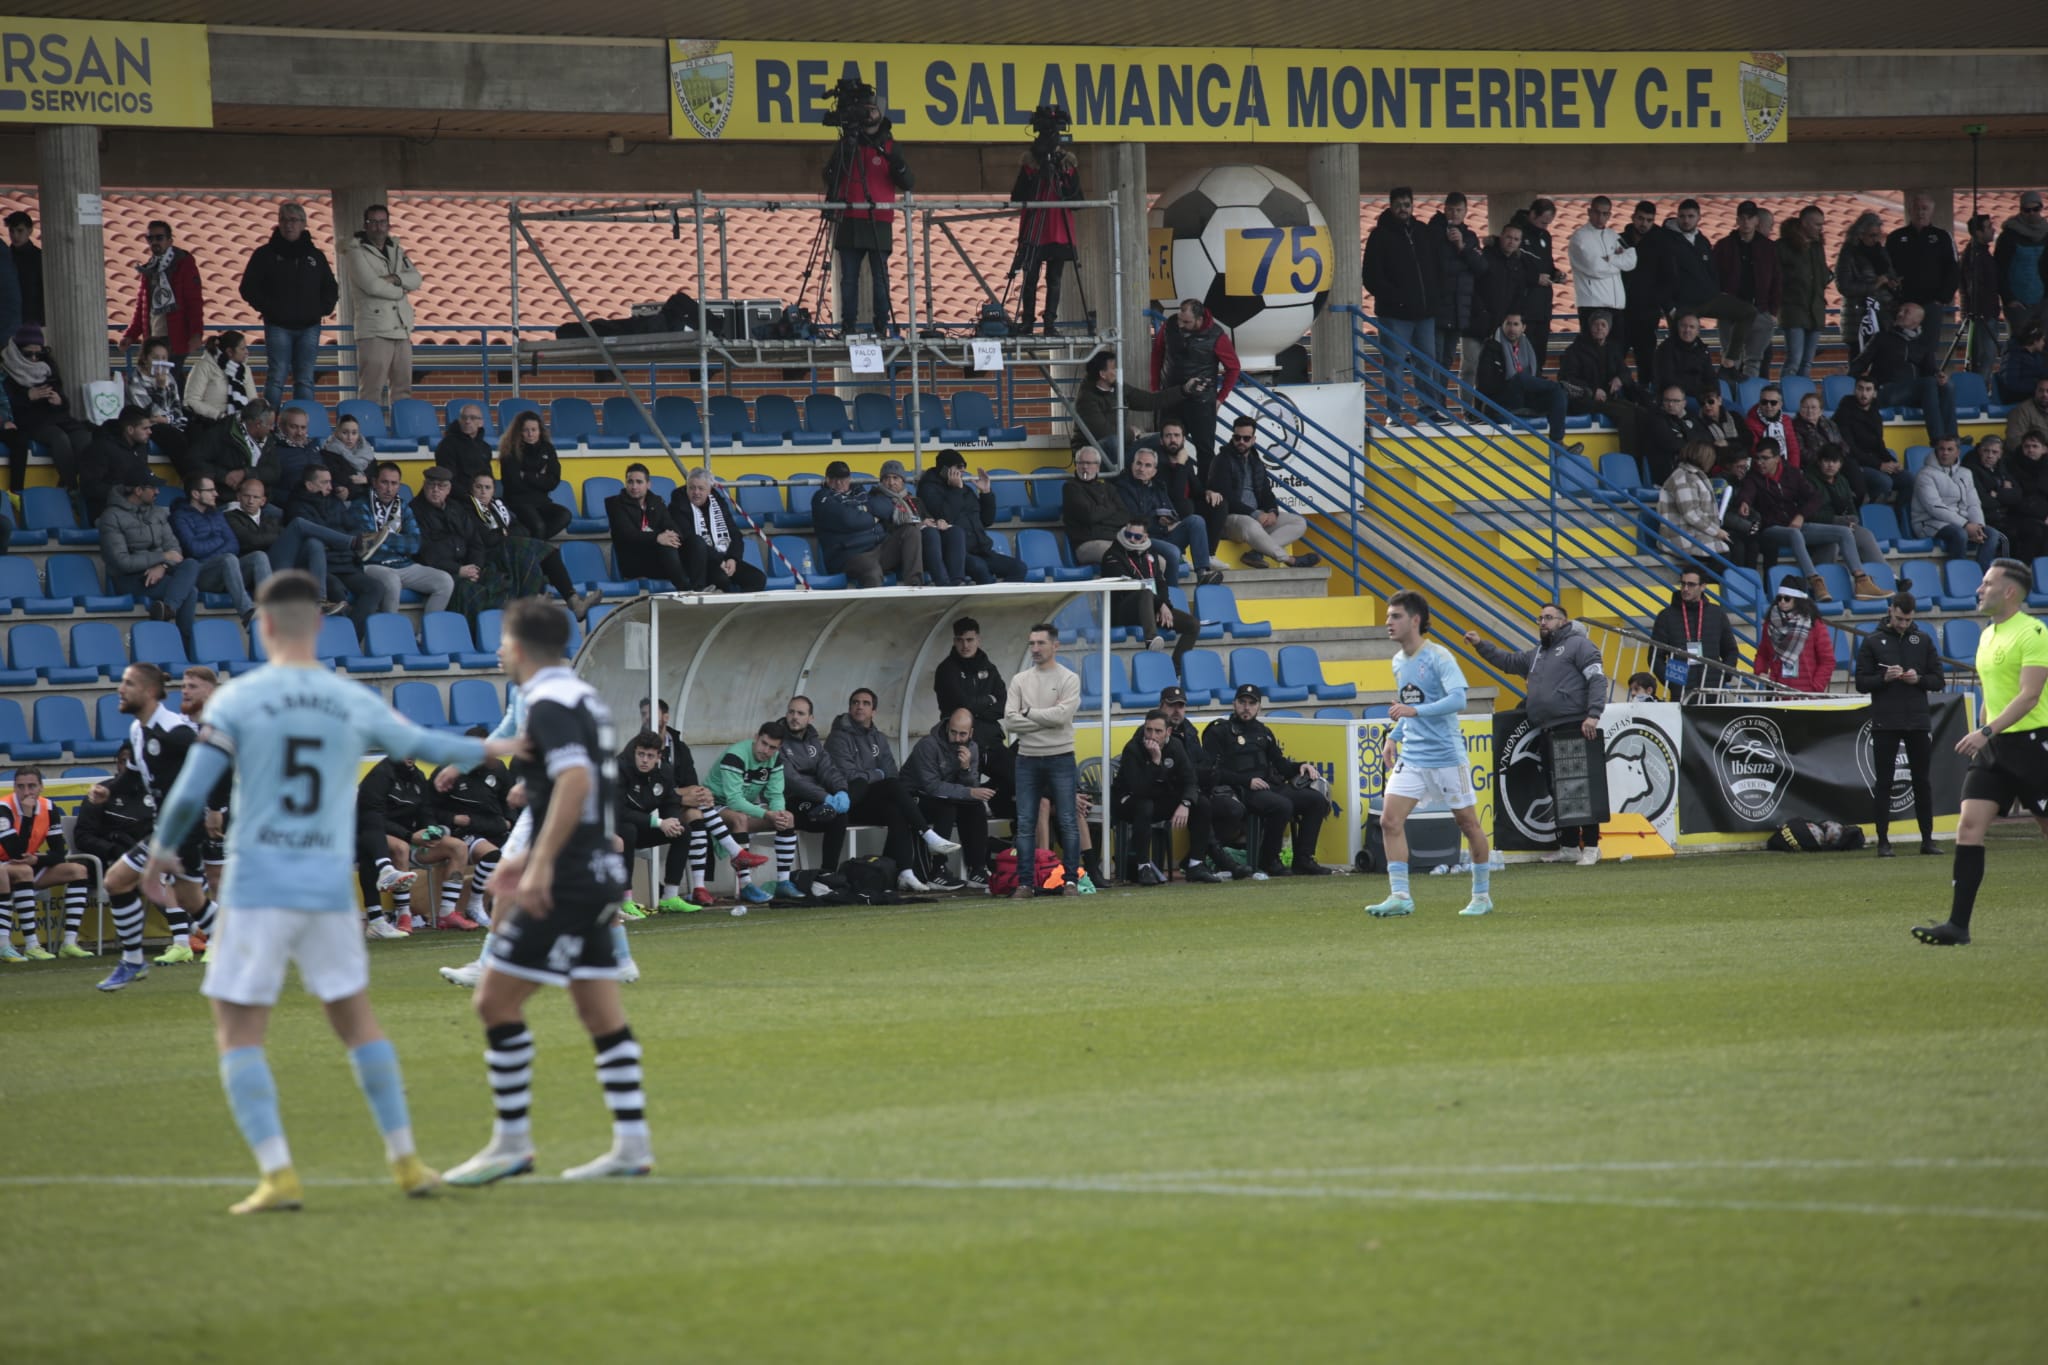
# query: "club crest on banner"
[1753,766]
[704,89]
[1766,94]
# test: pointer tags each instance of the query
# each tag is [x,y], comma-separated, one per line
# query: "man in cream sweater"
[1040,716]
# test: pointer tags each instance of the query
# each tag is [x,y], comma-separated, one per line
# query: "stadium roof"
[1611,25]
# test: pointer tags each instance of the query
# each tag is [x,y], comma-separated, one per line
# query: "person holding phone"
[1898,666]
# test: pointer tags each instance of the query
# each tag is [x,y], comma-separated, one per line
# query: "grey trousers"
[433,584]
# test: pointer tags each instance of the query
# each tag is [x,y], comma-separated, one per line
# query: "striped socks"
[618,1071]
[508,1051]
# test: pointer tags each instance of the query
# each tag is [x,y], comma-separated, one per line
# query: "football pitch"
[1722,1109]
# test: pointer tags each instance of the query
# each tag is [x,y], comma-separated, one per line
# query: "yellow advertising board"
[66,71]
[746,91]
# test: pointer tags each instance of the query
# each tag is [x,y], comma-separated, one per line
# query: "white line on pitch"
[1115,1186]
[1992,1163]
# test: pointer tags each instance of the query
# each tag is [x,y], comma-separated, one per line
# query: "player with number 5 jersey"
[294,734]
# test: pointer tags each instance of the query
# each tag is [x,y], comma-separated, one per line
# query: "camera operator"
[865,172]
[1045,237]
[1193,354]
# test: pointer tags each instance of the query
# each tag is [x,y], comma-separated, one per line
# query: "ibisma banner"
[65,71]
[933,93]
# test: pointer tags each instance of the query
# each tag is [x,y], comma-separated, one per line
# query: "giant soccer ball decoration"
[1251,244]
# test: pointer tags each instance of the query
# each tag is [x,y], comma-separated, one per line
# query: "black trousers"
[675,865]
[889,804]
[702,569]
[1200,416]
[1640,327]
[545,520]
[830,825]
[557,575]
[1884,754]
[654,560]
[1277,808]
[1139,811]
[970,818]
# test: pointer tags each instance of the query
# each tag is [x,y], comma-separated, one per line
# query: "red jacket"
[870,176]
[1770,285]
[1788,440]
[1227,367]
[188,323]
[1816,661]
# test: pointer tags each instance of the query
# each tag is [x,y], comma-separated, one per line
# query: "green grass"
[1717,1110]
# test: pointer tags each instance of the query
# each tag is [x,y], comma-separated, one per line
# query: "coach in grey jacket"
[1567,686]
[944,773]
[812,784]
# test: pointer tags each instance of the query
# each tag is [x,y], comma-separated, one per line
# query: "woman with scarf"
[1869,284]
[348,454]
[511,563]
[945,545]
[169,302]
[219,382]
[1796,650]
[1131,555]
[1812,428]
[152,384]
[530,470]
[711,537]
[35,399]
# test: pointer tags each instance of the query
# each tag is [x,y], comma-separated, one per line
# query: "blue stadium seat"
[574,421]
[1916,458]
[337,639]
[1834,389]
[389,634]
[1746,394]
[623,420]
[445,634]
[1301,666]
[20,583]
[2038,598]
[676,416]
[488,624]
[1881,521]
[1742,591]
[776,414]
[36,652]
[62,720]
[1216,602]
[874,417]
[796,550]
[1620,472]
[413,419]
[1255,666]
[1959,580]
[420,703]
[825,415]
[1076,623]
[798,490]
[1045,559]
[87,771]
[1283,713]
[220,645]
[14,740]
[1578,477]
[596,490]
[108,722]
[973,411]
[758,496]
[585,563]
[999,541]
[1922,578]
[1047,484]
[1880,574]
[1151,673]
[368,415]
[730,423]
[1012,495]
[1795,389]
[1091,677]
[563,495]
[51,510]
[925,415]
[158,642]
[1202,676]
[1335,713]
[1836,576]
[1958,641]
[1972,396]
[518,405]
[78,577]
[98,645]
[472,701]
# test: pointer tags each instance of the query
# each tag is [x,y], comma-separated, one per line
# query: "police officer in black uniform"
[1250,761]
[1226,812]
[1898,665]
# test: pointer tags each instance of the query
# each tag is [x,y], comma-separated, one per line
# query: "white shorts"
[252,948]
[1452,786]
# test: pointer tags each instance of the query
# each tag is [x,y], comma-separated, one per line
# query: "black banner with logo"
[1750,767]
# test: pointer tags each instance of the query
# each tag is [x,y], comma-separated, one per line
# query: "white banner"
[1643,740]
[1310,435]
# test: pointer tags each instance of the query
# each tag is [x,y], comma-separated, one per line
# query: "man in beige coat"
[381,276]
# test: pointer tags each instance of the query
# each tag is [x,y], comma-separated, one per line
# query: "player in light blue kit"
[294,733]
[1426,754]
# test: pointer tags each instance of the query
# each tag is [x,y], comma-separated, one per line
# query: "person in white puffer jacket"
[1598,256]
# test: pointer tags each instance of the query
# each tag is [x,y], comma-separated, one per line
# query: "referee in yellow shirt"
[2008,753]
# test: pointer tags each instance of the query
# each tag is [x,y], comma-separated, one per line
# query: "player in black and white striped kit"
[564,893]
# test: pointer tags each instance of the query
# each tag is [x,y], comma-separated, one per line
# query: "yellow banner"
[780,91]
[61,71]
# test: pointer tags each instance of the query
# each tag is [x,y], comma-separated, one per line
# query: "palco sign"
[740,91]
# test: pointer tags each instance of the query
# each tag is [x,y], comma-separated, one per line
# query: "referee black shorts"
[2012,767]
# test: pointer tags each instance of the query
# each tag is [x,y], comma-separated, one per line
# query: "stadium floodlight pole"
[703,335]
[512,233]
[1116,322]
[910,302]
[1107,596]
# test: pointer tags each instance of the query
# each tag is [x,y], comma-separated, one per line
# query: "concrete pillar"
[74,258]
[1114,171]
[1333,184]
[348,203]
[1502,205]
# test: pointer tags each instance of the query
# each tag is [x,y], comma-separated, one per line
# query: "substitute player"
[1426,754]
[557,929]
[294,733]
[2008,753]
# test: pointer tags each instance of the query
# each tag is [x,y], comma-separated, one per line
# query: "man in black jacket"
[1151,611]
[463,451]
[230,450]
[1596,380]
[1699,636]
[1252,512]
[471,807]
[327,517]
[448,541]
[1898,665]
[947,496]
[1745,333]
[1403,274]
[967,680]
[1539,251]
[651,815]
[813,788]
[395,835]
[292,287]
[1904,365]
[943,772]
[644,535]
[1157,779]
[1651,289]
[1663,432]
[1147,498]
[1683,359]
[1250,761]
[1226,812]
[117,458]
[1503,279]
[1929,274]
[1458,265]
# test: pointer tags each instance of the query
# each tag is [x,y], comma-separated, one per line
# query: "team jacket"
[396,796]
[110,830]
[18,843]
[1245,749]
[742,784]
[646,799]
[480,795]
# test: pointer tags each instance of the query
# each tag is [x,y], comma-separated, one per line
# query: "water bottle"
[807,565]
